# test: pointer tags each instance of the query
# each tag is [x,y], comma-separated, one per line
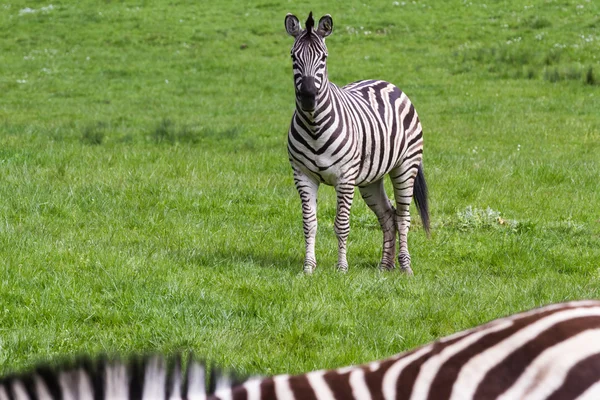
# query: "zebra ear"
[292,25]
[325,26]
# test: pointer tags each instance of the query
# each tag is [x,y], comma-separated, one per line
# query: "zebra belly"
[365,180]
[373,169]
[331,171]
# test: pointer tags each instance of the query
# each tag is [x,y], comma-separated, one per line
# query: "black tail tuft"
[420,196]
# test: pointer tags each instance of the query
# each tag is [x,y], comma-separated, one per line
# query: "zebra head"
[309,54]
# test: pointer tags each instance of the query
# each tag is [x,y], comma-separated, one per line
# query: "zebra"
[352,136]
[552,352]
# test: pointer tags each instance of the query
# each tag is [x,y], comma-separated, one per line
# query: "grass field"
[147,203]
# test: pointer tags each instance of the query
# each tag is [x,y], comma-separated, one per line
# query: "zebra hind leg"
[403,178]
[375,197]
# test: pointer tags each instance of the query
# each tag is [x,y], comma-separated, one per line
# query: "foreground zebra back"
[547,353]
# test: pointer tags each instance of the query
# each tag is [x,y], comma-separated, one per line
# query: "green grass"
[147,203]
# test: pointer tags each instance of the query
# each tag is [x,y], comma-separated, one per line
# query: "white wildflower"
[26,10]
[588,38]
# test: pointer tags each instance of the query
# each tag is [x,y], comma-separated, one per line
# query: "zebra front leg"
[403,179]
[345,194]
[307,189]
[375,197]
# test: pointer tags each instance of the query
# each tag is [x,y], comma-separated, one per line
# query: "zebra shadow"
[283,260]
[207,258]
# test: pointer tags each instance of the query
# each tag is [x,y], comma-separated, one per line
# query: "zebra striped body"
[374,129]
[551,352]
[352,136]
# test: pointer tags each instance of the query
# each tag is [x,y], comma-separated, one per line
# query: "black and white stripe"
[551,352]
[352,136]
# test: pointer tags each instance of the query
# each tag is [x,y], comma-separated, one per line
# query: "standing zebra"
[551,352]
[352,136]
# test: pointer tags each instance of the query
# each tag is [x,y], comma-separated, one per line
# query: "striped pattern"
[551,352]
[348,137]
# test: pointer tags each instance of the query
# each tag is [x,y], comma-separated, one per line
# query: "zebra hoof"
[342,268]
[407,271]
[404,260]
[309,269]
[386,268]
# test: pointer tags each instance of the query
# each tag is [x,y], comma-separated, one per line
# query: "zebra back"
[551,352]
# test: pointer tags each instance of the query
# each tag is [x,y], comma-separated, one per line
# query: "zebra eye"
[324,57]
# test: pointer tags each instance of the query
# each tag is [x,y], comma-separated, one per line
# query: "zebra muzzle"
[307,95]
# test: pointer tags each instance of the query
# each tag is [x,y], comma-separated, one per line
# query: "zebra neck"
[316,122]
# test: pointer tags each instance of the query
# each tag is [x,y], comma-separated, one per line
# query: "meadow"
[147,203]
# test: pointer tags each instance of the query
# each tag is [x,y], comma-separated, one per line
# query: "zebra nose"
[308,87]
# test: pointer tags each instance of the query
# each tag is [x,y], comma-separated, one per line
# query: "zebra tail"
[420,195]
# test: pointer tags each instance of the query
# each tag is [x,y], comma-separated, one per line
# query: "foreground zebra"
[551,352]
[352,136]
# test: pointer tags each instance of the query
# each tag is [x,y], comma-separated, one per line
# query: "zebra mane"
[115,378]
[310,23]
